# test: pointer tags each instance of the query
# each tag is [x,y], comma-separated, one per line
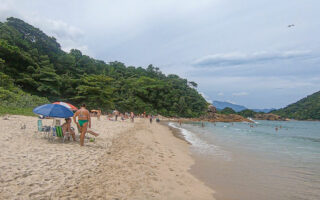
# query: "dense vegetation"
[227,111]
[14,100]
[247,113]
[305,109]
[35,70]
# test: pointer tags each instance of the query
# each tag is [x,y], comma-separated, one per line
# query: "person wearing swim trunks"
[83,120]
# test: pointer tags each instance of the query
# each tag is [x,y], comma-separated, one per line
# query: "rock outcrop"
[226,118]
[268,116]
[212,109]
[213,116]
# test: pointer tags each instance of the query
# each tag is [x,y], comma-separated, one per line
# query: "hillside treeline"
[34,69]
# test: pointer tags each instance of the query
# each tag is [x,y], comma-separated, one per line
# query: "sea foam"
[199,145]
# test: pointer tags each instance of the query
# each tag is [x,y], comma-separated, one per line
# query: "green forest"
[35,70]
[307,108]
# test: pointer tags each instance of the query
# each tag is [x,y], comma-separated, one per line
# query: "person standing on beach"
[98,114]
[83,120]
[116,113]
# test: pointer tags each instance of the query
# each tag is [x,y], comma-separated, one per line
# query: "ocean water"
[243,162]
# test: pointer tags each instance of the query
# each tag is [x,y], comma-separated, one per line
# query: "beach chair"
[40,128]
[59,133]
[43,129]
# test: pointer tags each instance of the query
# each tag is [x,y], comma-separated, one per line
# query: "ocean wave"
[200,145]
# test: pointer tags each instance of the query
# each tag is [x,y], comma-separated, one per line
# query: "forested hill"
[307,108]
[33,68]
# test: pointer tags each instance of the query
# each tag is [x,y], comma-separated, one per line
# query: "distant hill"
[220,105]
[267,110]
[307,108]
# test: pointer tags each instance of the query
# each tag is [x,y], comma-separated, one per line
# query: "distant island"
[307,108]
[220,105]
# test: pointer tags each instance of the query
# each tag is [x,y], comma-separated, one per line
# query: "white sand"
[127,161]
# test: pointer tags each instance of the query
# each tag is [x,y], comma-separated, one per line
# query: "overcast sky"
[237,51]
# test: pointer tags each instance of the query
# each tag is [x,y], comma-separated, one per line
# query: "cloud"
[224,46]
[68,35]
[220,94]
[232,59]
[240,94]
[229,101]
[206,97]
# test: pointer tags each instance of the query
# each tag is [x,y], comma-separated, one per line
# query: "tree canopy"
[304,109]
[35,65]
[228,111]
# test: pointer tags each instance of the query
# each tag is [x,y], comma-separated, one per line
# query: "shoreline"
[127,161]
[247,173]
[196,167]
[175,131]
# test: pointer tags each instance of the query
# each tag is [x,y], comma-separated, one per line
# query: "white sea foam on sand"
[199,145]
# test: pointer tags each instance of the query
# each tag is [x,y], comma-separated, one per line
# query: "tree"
[96,91]
[247,113]
[49,81]
[228,111]
[36,64]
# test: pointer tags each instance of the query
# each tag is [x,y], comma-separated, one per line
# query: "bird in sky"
[291,25]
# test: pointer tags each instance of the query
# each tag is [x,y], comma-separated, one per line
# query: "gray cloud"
[240,94]
[172,34]
[70,36]
[232,59]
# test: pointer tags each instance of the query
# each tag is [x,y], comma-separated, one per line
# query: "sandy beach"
[127,161]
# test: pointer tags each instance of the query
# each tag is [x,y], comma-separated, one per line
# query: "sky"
[240,51]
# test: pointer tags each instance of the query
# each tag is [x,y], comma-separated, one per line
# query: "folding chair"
[59,133]
[43,129]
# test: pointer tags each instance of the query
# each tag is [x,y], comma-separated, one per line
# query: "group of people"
[82,118]
[83,124]
[123,116]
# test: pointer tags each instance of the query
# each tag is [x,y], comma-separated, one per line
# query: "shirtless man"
[83,120]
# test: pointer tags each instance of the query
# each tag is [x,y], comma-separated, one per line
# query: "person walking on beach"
[132,117]
[83,120]
[150,119]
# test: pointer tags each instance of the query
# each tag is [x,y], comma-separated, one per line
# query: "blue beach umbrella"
[53,110]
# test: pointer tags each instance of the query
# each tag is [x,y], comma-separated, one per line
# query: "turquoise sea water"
[259,162]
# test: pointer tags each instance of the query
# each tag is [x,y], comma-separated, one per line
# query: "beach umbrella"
[53,110]
[68,105]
